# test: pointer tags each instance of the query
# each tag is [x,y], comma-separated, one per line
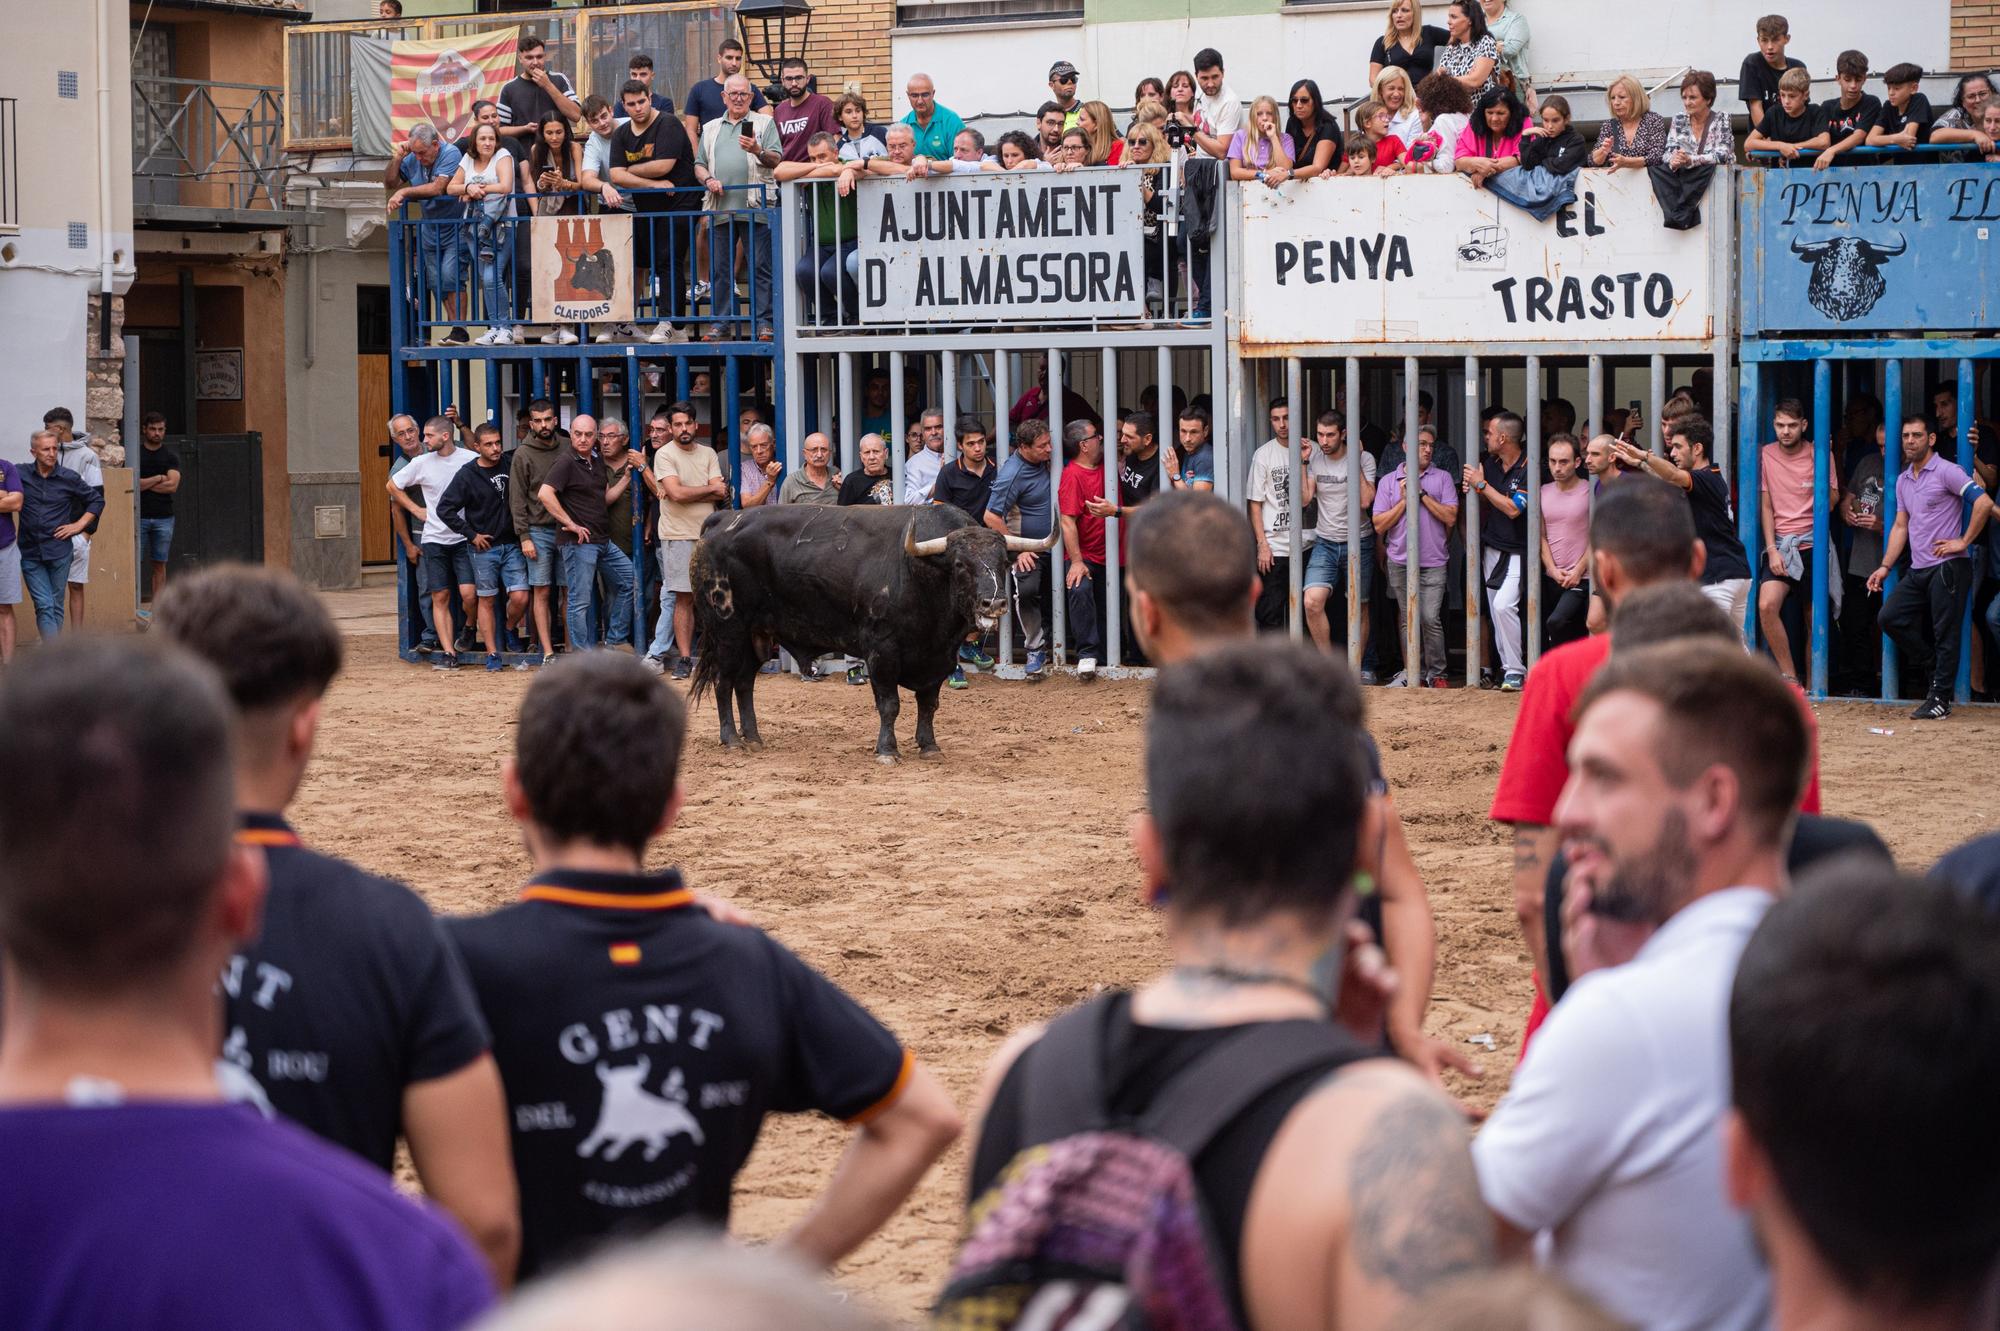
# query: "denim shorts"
[1326,566]
[445,567]
[441,242]
[542,569]
[503,566]
[156,538]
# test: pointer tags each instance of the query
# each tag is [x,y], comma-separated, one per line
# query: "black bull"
[898,587]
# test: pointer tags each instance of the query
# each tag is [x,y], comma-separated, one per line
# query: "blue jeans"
[441,249]
[156,538]
[492,243]
[580,567]
[48,588]
[1534,189]
[663,633]
[722,265]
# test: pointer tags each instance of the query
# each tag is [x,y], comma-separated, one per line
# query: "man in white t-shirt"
[1220,107]
[1687,762]
[1328,468]
[920,469]
[1269,492]
[447,559]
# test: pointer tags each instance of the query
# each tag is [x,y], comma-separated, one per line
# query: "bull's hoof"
[930,751]
[886,759]
[753,744]
[731,742]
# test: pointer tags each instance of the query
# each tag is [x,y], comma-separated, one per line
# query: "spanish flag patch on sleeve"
[624,954]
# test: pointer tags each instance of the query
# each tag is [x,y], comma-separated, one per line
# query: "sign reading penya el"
[1432,259]
[998,247]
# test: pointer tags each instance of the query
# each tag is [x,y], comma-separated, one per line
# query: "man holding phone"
[739,149]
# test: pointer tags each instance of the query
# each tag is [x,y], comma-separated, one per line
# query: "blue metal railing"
[471,269]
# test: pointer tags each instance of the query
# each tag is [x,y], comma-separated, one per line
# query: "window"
[965,13]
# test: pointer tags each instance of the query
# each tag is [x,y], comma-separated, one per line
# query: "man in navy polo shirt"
[349,1013]
[642,1041]
[134,1195]
[1931,524]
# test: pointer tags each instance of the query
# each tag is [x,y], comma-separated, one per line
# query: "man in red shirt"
[1083,541]
[1642,534]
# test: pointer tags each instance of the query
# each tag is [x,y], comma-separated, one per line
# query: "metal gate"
[219,508]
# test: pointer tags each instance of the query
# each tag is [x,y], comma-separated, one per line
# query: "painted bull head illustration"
[1846,276]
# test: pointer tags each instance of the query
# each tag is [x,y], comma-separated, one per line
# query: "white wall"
[1000,71]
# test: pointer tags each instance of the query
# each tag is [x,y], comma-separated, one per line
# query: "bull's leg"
[927,701]
[887,705]
[746,709]
[722,710]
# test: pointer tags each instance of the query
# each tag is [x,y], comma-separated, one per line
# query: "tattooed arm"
[1534,848]
[1366,1201]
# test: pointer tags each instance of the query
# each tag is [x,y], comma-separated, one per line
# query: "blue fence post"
[586,388]
[1823,560]
[1892,467]
[398,405]
[733,413]
[1968,419]
[1749,485]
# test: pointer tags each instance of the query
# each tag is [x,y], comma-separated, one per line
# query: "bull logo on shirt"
[632,1114]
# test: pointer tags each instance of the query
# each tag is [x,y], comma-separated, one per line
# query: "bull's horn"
[1018,545]
[1810,249]
[1883,251]
[914,547]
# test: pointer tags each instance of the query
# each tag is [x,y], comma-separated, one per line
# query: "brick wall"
[850,45]
[1975,34]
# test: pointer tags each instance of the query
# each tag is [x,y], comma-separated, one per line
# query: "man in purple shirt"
[134,1196]
[803,113]
[10,556]
[1931,523]
[1440,504]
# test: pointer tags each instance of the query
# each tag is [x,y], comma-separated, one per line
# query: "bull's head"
[1846,276]
[978,560]
[1809,251]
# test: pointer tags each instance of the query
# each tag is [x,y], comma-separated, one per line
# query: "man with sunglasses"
[1062,89]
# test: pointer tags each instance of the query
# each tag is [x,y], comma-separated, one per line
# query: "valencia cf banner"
[438,81]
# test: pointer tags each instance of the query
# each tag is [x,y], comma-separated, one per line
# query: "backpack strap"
[1063,1089]
[1216,1089]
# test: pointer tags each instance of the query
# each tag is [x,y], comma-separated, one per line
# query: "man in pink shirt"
[1786,507]
[1565,542]
[1930,521]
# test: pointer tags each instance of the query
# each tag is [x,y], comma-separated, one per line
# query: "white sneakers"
[667,332]
[1086,669]
[495,337]
[559,337]
[615,333]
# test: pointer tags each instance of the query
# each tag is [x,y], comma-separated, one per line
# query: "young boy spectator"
[348,1014]
[1930,495]
[642,1042]
[1786,502]
[1905,118]
[1794,125]
[475,506]
[1844,1005]
[135,1197]
[1851,115]
[1762,68]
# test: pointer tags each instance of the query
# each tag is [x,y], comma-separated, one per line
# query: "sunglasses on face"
[1070,79]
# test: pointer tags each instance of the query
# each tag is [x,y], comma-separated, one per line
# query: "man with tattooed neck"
[1339,1185]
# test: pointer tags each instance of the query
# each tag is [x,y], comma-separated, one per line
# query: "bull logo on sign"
[588,272]
[1846,276]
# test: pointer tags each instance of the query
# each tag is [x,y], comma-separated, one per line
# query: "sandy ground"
[963,898]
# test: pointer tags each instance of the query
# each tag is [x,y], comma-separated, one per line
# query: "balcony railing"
[214,146]
[590,46]
[10,168]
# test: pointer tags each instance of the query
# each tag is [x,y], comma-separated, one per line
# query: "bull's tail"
[712,605]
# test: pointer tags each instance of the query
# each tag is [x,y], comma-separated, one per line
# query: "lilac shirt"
[1430,532]
[1240,148]
[10,483]
[1931,498]
[205,1215]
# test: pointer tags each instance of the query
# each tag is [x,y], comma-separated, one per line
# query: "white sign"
[1002,247]
[1431,259]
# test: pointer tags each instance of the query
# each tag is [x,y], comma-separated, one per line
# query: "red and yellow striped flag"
[438,81]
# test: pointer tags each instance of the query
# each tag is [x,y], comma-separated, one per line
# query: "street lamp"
[774,31]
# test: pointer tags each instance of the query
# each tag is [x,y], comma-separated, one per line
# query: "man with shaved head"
[573,494]
[936,127]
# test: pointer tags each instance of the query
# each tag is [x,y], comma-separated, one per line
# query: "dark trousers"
[1085,603]
[1860,653]
[1923,615]
[1568,615]
[1274,599]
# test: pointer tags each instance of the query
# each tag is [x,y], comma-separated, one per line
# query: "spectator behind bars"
[1438,496]
[1565,542]
[109,1033]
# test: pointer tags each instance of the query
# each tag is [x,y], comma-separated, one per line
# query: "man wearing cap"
[1062,87]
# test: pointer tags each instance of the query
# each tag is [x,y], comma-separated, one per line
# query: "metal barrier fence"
[476,268]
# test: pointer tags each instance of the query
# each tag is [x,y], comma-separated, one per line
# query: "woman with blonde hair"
[1394,90]
[1260,144]
[1634,136]
[1408,43]
[1152,111]
[1100,132]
